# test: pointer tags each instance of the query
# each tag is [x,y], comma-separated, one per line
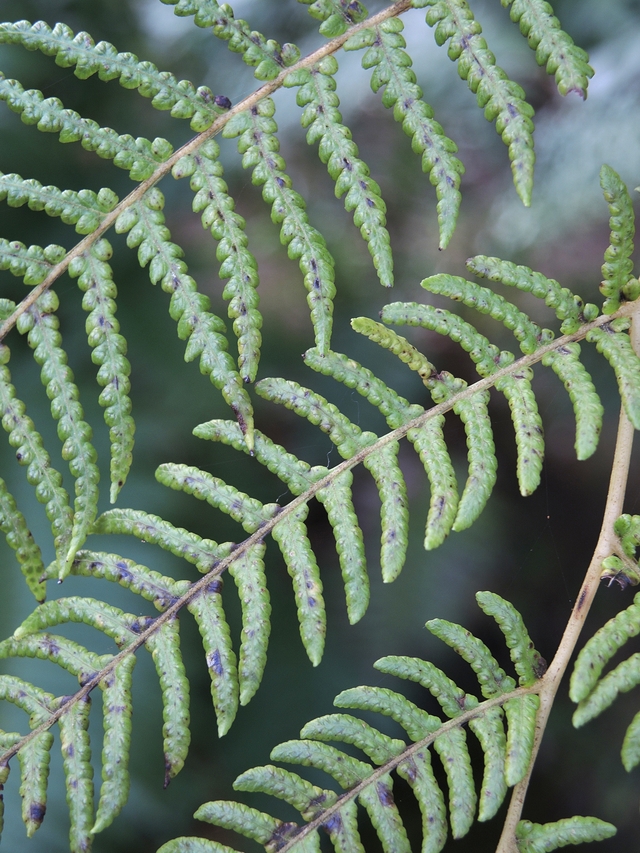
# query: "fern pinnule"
[14,526]
[30,451]
[415,721]
[308,799]
[141,157]
[521,714]
[336,15]
[347,729]
[204,553]
[259,147]
[540,838]
[252,823]
[84,209]
[87,58]
[34,758]
[41,324]
[527,661]
[266,55]
[613,341]
[501,99]
[617,269]
[208,612]
[203,330]
[248,574]
[339,152]
[78,771]
[164,646]
[31,263]
[553,46]
[569,308]
[627,528]
[95,279]
[238,265]
[392,69]
[291,535]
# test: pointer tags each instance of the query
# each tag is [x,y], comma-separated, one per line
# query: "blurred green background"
[533,551]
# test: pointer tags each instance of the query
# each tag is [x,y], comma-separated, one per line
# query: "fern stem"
[191,147]
[606,544]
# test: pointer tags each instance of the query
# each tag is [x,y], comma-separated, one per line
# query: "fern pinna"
[235,675]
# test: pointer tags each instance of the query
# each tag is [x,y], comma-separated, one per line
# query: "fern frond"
[392,69]
[109,348]
[340,154]
[84,209]
[617,269]
[540,838]
[203,553]
[553,46]
[259,147]
[527,661]
[144,223]
[141,157]
[336,15]
[501,99]
[30,451]
[14,526]
[266,55]
[207,610]
[41,324]
[81,53]
[78,772]
[34,760]
[238,264]
[372,785]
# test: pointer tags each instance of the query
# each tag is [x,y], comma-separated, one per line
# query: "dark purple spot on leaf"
[36,812]
[222,101]
[384,794]
[214,662]
[215,586]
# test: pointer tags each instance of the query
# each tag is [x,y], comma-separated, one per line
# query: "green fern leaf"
[385,816]
[490,732]
[34,760]
[66,653]
[340,154]
[259,146]
[336,15]
[145,223]
[416,722]
[568,307]
[194,845]
[42,325]
[540,838]
[246,510]
[454,755]
[623,678]
[588,410]
[248,573]
[554,48]
[617,269]
[308,799]
[417,771]
[121,627]
[267,56]
[76,758]
[212,199]
[164,645]
[81,53]
[160,589]
[221,660]
[7,307]
[521,729]
[392,69]
[481,456]
[347,729]
[13,524]
[613,342]
[291,535]
[85,209]
[33,263]
[527,661]
[139,156]
[630,752]
[501,99]
[203,553]
[7,740]
[95,279]
[30,451]
[336,498]
[261,827]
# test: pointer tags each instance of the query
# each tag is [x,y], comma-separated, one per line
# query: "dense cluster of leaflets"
[236,675]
